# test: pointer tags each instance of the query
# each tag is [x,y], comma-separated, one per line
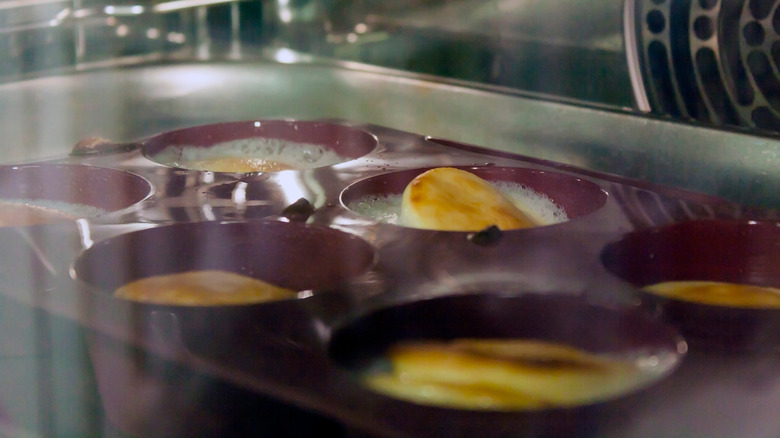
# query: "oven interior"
[669,106]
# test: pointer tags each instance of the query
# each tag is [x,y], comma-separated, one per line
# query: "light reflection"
[651,361]
[85,233]
[239,193]
[285,15]
[290,187]
[208,212]
[186,4]
[82,13]
[285,56]
[59,18]
[322,329]
[63,14]
[177,38]
[123,10]
[318,192]
[152,33]
[284,11]
[185,82]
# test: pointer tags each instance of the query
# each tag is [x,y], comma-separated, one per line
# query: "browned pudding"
[502,374]
[718,293]
[451,199]
[19,215]
[202,288]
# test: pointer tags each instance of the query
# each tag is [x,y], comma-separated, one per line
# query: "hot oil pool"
[249,155]
[259,146]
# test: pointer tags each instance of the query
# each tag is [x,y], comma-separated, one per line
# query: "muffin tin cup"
[444,254]
[557,318]
[308,142]
[308,259]
[575,196]
[732,251]
[75,189]
[292,255]
[147,377]
[167,219]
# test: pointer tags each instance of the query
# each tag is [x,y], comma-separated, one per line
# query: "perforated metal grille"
[715,61]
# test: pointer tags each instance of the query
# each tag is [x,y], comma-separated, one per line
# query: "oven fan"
[713,61]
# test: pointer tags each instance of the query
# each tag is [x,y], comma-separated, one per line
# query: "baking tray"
[42,117]
[163,218]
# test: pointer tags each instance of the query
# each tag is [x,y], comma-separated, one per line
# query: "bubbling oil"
[538,206]
[249,155]
[21,212]
[202,288]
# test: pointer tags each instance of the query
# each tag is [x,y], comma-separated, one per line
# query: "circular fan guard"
[714,61]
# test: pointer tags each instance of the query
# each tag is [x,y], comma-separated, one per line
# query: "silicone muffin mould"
[621,333]
[304,258]
[290,255]
[73,189]
[574,196]
[436,254]
[298,228]
[730,251]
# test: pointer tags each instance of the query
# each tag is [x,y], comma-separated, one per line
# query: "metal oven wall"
[554,74]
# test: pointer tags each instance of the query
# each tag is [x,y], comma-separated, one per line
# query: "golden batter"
[718,293]
[501,374]
[202,288]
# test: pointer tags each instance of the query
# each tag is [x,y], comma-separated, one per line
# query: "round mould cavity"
[545,197]
[648,346]
[294,256]
[66,192]
[700,256]
[259,146]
